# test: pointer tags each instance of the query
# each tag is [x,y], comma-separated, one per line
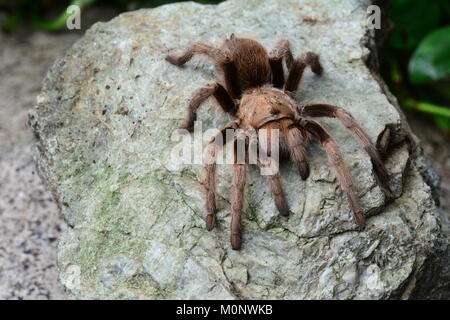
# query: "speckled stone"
[104,122]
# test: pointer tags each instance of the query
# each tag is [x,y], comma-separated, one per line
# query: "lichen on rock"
[104,124]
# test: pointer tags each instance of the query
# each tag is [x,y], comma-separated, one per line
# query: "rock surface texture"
[104,124]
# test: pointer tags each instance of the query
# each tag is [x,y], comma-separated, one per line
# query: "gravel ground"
[30,223]
[29,220]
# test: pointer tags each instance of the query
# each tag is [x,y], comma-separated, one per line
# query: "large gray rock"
[104,123]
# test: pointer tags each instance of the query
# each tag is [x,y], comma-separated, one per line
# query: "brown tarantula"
[253,88]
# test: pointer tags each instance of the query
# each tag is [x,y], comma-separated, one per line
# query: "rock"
[104,124]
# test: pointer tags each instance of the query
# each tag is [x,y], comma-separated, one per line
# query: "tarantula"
[253,88]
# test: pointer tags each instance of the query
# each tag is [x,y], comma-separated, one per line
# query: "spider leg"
[246,136]
[281,50]
[201,95]
[237,202]
[298,67]
[197,48]
[210,173]
[336,160]
[222,59]
[296,145]
[276,188]
[384,140]
[331,111]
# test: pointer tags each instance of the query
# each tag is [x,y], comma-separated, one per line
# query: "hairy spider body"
[253,88]
[262,105]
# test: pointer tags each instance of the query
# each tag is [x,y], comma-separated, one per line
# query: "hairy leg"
[210,172]
[331,111]
[198,48]
[276,188]
[220,57]
[384,140]
[291,143]
[336,160]
[296,146]
[224,100]
[281,50]
[298,67]
[237,203]
[210,188]
[201,95]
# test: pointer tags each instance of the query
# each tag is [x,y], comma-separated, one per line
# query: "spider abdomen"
[251,60]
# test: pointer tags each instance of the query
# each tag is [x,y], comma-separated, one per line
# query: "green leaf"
[427,107]
[443,123]
[431,60]
[413,19]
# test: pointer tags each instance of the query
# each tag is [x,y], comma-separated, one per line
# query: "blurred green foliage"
[35,10]
[431,61]
[416,59]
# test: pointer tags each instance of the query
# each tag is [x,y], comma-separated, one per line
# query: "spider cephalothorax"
[252,87]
